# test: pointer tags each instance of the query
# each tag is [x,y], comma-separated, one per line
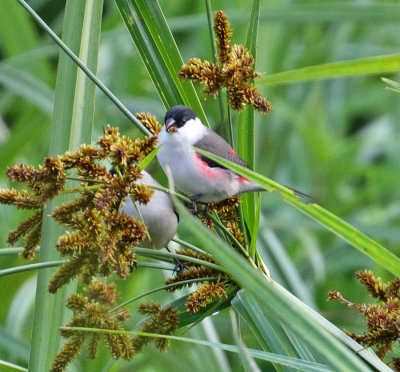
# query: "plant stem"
[36,266]
[187,245]
[214,52]
[230,126]
[89,73]
[146,252]
[83,180]
[183,282]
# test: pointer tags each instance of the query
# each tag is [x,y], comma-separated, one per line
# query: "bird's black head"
[177,116]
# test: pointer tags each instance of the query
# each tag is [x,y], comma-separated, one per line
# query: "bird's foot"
[194,207]
[179,267]
[133,266]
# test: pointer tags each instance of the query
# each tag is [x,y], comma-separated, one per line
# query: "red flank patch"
[208,171]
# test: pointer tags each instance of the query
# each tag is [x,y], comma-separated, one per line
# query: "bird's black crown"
[181,114]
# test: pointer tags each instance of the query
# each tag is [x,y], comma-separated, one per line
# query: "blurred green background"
[337,140]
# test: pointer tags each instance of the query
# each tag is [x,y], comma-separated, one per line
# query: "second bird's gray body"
[158,215]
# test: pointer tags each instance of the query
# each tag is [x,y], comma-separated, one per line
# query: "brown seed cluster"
[99,236]
[44,183]
[103,235]
[150,122]
[207,291]
[205,295]
[233,70]
[227,212]
[382,319]
[194,271]
[162,320]
[93,311]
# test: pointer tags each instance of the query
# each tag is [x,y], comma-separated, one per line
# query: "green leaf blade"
[354,237]
[356,67]
[273,298]
[153,38]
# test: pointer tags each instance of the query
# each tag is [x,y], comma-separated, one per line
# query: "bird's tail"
[299,193]
[255,187]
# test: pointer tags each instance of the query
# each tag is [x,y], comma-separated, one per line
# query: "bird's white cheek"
[173,137]
[163,136]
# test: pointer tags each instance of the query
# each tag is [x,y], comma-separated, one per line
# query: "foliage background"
[337,140]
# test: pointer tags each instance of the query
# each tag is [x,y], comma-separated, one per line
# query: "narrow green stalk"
[211,30]
[12,251]
[243,228]
[154,265]
[146,252]
[188,245]
[256,222]
[141,220]
[214,52]
[219,231]
[303,365]
[229,126]
[84,180]
[168,191]
[81,189]
[235,241]
[36,266]
[183,282]
[11,367]
[81,32]
[246,134]
[86,70]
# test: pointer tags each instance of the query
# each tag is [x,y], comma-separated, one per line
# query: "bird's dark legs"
[195,209]
[179,266]
[133,266]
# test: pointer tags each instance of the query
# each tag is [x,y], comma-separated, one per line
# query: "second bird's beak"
[170,126]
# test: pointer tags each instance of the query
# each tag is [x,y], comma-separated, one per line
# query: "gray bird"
[158,215]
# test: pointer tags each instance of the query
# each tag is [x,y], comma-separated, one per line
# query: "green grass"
[333,134]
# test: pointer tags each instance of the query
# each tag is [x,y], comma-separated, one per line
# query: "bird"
[200,178]
[158,215]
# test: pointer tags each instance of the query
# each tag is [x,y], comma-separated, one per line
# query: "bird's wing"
[215,144]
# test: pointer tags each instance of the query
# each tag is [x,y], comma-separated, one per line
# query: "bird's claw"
[179,267]
[194,205]
[133,266]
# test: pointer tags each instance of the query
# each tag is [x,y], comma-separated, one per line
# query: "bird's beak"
[170,126]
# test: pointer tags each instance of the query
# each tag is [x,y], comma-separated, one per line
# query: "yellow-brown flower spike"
[233,70]
[93,311]
[382,319]
[163,321]
[227,211]
[374,285]
[223,33]
[20,199]
[150,122]
[101,237]
[204,295]
[25,227]
[195,272]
